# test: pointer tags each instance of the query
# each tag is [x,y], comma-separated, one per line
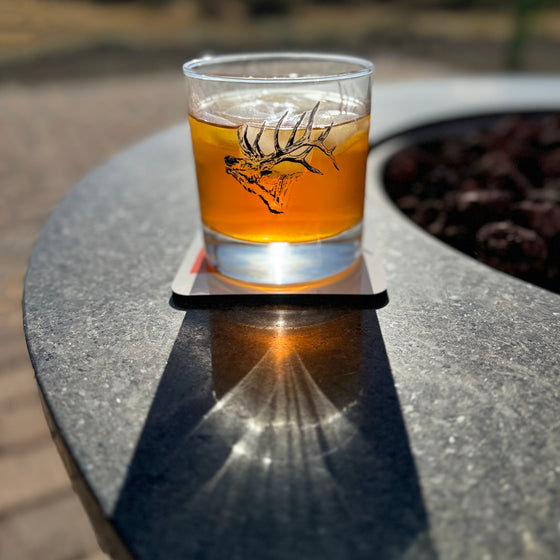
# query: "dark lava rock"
[493,193]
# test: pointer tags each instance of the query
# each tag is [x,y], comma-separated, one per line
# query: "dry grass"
[29,28]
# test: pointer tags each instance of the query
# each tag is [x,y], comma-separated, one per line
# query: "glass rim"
[191,69]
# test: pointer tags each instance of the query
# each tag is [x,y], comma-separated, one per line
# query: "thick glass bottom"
[281,263]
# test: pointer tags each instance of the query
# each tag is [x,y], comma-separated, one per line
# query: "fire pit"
[425,429]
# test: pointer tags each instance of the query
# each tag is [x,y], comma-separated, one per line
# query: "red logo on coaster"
[200,264]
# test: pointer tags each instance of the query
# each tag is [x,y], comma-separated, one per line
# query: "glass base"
[280,263]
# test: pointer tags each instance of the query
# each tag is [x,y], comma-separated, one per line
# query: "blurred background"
[80,80]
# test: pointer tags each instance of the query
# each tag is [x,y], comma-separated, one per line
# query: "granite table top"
[428,428]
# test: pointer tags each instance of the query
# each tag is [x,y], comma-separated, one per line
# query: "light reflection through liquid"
[284,381]
[289,367]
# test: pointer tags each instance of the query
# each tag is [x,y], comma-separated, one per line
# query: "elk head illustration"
[254,171]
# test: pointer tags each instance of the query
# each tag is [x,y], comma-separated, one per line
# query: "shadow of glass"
[276,432]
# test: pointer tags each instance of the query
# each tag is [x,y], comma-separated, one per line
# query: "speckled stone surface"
[425,429]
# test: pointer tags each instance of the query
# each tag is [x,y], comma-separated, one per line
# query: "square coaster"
[197,285]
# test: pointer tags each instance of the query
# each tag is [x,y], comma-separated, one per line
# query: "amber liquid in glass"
[280,168]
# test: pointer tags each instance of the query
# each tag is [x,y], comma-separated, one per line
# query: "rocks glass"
[280,143]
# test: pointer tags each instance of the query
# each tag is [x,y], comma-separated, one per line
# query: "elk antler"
[295,151]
